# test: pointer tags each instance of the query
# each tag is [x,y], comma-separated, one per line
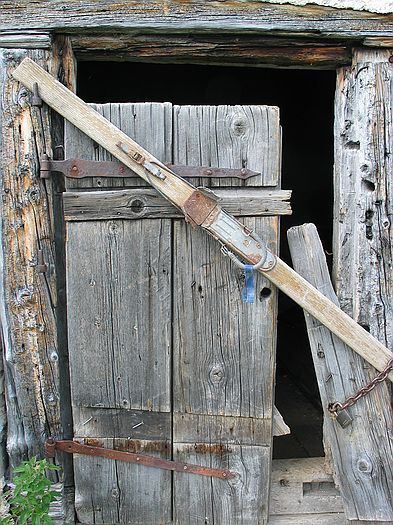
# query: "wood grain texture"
[25,40]
[28,299]
[229,49]
[144,122]
[363,208]
[119,308]
[228,137]
[148,203]
[361,453]
[101,130]
[242,49]
[224,350]
[195,15]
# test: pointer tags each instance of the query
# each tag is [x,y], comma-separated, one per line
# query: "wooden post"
[28,298]
[361,452]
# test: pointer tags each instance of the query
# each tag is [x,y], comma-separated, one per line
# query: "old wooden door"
[165,358]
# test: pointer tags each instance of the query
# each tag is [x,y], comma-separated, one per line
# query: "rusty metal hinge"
[73,447]
[80,168]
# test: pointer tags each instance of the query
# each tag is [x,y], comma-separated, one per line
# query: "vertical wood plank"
[229,137]
[149,124]
[223,356]
[361,453]
[363,255]
[119,317]
[28,299]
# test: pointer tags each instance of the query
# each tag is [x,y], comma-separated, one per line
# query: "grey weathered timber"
[28,299]
[223,359]
[148,203]
[229,137]
[119,308]
[222,48]
[363,207]
[361,453]
[110,282]
[195,15]
[3,422]
[148,124]
[25,40]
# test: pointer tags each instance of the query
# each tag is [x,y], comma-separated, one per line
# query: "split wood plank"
[196,16]
[178,192]
[148,203]
[361,453]
[28,299]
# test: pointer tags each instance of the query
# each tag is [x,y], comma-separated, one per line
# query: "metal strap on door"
[75,447]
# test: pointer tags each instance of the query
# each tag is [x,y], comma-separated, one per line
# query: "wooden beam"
[361,452]
[179,192]
[209,49]
[25,40]
[136,203]
[233,16]
[28,298]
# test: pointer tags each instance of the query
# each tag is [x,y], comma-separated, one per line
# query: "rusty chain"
[336,407]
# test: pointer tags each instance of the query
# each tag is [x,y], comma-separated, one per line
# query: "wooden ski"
[201,208]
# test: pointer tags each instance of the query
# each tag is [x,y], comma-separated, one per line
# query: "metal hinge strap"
[80,168]
[73,447]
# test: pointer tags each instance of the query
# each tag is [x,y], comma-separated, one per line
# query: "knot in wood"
[216,374]
[239,125]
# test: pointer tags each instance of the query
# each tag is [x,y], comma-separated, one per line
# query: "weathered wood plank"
[229,137]
[114,499]
[116,331]
[28,299]
[119,307]
[221,49]
[243,500]
[148,203]
[363,208]
[301,487]
[25,40]
[197,15]
[143,122]
[361,452]
[223,357]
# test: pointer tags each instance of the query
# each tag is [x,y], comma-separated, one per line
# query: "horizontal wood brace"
[121,423]
[204,429]
[138,203]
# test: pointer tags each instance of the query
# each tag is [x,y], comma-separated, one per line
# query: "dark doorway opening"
[306,102]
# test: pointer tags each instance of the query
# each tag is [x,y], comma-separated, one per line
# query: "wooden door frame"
[246,42]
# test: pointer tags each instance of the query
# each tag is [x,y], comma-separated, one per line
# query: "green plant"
[31,495]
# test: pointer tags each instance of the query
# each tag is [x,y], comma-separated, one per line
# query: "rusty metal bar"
[80,168]
[73,447]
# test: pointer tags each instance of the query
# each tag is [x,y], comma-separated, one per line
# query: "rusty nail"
[36,100]
[41,266]
[243,171]
[185,467]
[208,172]
[74,168]
[138,459]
